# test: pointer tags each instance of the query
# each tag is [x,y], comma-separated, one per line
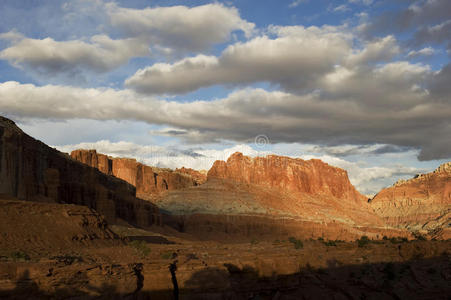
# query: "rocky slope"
[32,171]
[259,270]
[32,227]
[273,196]
[149,181]
[419,204]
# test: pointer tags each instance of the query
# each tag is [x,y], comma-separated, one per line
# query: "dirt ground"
[81,257]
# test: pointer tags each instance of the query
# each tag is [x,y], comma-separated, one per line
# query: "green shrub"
[298,244]
[363,241]
[397,240]
[330,243]
[254,242]
[19,256]
[141,247]
[419,237]
[166,255]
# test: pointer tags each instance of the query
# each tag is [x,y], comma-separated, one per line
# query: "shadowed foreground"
[414,279]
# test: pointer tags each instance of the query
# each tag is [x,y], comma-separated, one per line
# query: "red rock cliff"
[32,171]
[282,189]
[199,176]
[312,177]
[149,181]
[420,204]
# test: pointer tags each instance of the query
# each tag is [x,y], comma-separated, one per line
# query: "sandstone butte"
[149,181]
[312,177]
[420,204]
[274,195]
[32,171]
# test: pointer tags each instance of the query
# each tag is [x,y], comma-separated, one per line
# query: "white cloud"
[341,8]
[387,104]
[296,3]
[382,49]
[180,27]
[52,57]
[294,59]
[166,31]
[364,2]
[425,51]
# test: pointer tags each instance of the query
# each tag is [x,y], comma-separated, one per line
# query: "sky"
[360,84]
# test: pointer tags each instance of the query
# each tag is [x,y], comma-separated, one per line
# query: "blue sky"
[361,84]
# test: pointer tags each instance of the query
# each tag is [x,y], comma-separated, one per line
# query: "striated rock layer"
[32,171]
[199,176]
[312,177]
[274,194]
[149,181]
[419,204]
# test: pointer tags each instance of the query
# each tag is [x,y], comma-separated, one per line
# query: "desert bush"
[419,237]
[363,241]
[141,247]
[166,255]
[397,240]
[330,243]
[296,243]
[19,256]
[254,242]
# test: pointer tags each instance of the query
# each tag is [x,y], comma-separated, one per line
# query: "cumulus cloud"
[180,27]
[294,59]
[396,103]
[428,19]
[348,150]
[436,34]
[50,57]
[425,51]
[166,31]
[382,49]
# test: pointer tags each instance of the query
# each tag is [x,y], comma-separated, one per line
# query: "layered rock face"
[290,194]
[32,171]
[199,176]
[419,204]
[312,177]
[149,181]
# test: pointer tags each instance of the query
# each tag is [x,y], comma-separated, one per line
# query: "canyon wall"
[271,195]
[149,181]
[420,204]
[199,176]
[311,177]
[32,171]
